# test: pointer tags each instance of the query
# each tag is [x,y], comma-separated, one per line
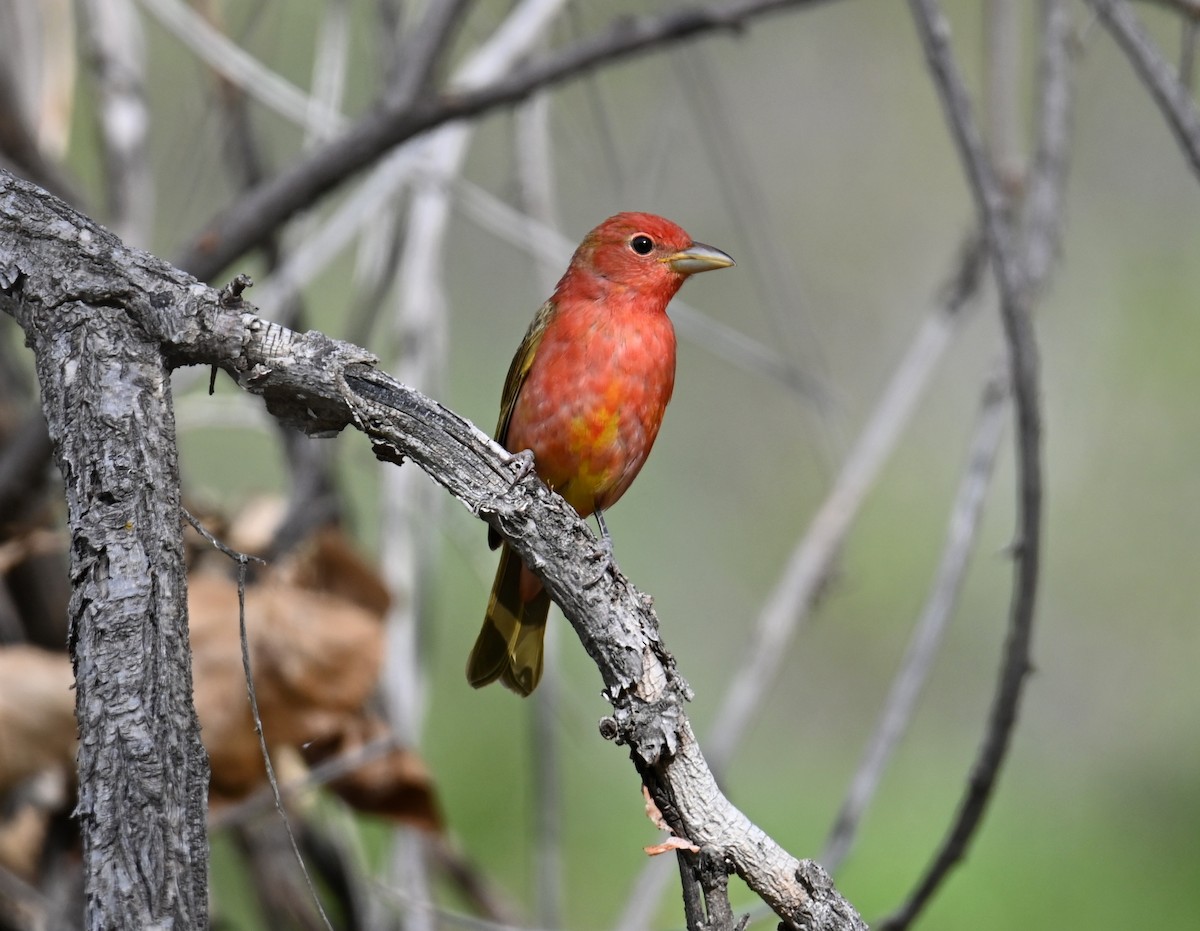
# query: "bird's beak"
[697,258]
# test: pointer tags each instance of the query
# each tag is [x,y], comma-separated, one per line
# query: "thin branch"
[1041,229]
[927,636]
[36,48]
[323,773]
[424,48]
[749,207]
[243,225]
[808,568]
[412,507]
[416,159]
[1188,35]
[1042,210]
[1015,299]
[240,68]
[1173,99]
[328,83]
[1002,38]
[243,560]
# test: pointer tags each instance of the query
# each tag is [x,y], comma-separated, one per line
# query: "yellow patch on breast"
[594,441]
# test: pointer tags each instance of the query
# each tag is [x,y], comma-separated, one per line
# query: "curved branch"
[258,213]
[1016,293]
[1173,98]
[323,385]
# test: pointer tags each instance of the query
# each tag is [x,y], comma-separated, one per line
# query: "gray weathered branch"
[53,260]
[246,223]
[143,774]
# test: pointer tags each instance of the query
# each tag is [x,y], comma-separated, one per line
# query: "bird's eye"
[641,244]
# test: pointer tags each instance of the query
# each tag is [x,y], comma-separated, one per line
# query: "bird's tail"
[509,646]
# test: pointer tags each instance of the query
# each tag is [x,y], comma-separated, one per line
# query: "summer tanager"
[586,393]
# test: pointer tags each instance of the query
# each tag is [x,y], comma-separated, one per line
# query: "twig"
[1015,297]
[1042,221]
[1173,99]
[37,39]
[930,629]
[1002,38]
[714,118]
[242,560]
[251,218]
[1042,209]
[423,48]
[334,768]
[328,83]
[239,67]
[418,159]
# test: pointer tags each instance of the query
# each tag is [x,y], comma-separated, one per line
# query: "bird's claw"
[523,461]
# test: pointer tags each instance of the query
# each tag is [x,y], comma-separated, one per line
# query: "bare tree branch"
[1015,299]
[1173,98]
[900,704]
[253,217]
[239,67]
[808,567]
[423,48]
[143,773]
[322,386]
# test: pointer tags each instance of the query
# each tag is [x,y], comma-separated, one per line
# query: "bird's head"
[646,253]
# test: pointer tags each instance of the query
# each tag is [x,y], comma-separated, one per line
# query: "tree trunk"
[143,774]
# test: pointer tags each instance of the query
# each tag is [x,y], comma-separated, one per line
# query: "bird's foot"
[604,550]
[524,463]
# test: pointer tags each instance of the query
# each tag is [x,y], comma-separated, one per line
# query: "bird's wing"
[521,364]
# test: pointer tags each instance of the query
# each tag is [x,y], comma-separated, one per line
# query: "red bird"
[586,393]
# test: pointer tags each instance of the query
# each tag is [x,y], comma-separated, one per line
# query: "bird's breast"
[593,401]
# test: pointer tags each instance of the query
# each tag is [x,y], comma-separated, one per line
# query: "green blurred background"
[848,176]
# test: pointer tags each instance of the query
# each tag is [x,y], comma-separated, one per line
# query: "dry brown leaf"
[671,843]
[328,562]
[315,661]
[394,783]
[32,542]
[253,528]
[656,818]
[37,713]
[25,819]
[316,643]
